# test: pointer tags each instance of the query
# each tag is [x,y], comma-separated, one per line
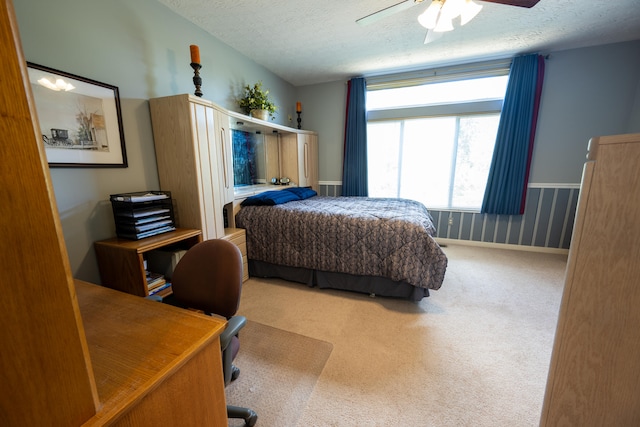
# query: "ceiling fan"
[439,12]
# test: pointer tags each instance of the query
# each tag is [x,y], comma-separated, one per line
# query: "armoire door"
[225,152]
[594,377]
[211,204]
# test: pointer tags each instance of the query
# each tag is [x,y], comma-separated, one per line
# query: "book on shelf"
[161,285]
[160,288]
[154,280]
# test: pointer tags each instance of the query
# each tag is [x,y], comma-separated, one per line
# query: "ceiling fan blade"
[520,3]
[432,36]
[387,11]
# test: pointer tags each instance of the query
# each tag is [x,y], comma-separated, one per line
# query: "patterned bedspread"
[390,238]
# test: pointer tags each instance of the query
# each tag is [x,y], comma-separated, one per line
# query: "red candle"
[298,107]
[195,53]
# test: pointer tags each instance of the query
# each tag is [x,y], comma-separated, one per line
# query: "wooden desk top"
[136,343]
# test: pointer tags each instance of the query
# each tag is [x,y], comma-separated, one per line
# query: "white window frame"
[474,71]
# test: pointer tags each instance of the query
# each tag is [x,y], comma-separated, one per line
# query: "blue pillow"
[302,192]
[270,198]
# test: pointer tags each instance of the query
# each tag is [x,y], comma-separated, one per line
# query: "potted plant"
[256,103]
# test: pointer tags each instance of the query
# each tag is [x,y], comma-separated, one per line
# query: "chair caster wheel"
[251,420]
[235,373]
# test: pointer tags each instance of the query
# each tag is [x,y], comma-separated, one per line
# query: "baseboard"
[444,241]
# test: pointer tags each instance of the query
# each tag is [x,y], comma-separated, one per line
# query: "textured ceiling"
[307,42]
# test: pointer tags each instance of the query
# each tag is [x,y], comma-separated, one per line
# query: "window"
[434,143]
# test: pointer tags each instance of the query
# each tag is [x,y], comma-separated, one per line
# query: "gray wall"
[324,108]
[587,92]
[143,48]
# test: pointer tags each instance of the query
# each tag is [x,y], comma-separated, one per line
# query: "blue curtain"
[509,174]
[354,167]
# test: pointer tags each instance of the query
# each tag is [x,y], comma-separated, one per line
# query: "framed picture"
[80,119]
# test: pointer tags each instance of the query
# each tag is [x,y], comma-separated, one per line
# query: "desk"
[153,364]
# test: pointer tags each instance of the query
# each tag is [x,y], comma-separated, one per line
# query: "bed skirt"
[372,285]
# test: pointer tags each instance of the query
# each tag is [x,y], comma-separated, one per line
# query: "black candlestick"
[299,119]
[197,80]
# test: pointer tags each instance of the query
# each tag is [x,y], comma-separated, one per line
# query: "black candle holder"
[299,120]
[197,80]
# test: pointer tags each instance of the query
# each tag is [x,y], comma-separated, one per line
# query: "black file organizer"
[142,214]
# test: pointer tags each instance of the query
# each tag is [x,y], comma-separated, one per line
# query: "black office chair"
[209,278]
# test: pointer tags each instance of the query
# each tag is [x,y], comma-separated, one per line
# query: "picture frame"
[80,119]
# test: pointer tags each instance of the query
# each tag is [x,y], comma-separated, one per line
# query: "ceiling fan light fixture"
[431,36]
[429,17]
[444,24]
[451,9]
[470,10]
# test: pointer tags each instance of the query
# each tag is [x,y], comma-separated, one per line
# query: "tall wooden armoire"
[594,377]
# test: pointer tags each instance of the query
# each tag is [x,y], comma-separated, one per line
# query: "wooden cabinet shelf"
[194,152]
[121,261]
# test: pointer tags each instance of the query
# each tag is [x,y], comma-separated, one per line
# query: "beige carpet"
[279,370]
[474,353]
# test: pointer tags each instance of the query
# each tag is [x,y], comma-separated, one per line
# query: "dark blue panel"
[529,218]
[557,218]
[489,228]
[503,223]
[454,230]
[465,233]
[435,215]
[544,214]
[476,232]
[514,234]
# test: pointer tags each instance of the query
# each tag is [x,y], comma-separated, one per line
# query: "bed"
[373,245]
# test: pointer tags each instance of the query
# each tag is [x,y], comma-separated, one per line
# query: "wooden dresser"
[594,378]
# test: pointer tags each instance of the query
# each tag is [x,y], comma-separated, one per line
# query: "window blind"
[443,74]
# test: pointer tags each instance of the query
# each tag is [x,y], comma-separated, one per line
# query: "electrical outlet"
[450,220]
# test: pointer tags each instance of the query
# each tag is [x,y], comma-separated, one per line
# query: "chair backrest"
[209,277]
